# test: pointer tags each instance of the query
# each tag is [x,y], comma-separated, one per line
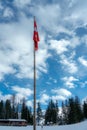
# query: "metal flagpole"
[34,114]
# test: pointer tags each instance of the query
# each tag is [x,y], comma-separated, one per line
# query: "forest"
[72,111]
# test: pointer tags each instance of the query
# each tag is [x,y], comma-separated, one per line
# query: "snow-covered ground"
[78,126]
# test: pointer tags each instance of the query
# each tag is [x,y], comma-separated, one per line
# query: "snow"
[78,126]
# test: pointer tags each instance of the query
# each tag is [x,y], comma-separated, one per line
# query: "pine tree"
[26,113]
[16,112]
[78,110]
[57,111]
[39,113]
[13,111]
[23,110]
[75,110]
[2,112]
[31,116]
[85,109]
[7,109]
[51,113]
[64,117]
[71,111]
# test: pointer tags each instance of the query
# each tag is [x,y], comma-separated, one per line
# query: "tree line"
[11,110]
[72,111]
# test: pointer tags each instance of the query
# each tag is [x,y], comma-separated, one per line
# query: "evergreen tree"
[57,111]
[26,113]
[51,113]
[64,117]
[13,111]
[39,113]
[78,110]
[30,117]
[71,111]
[23,110]
[2,112]
[16,112]
[7,109]
[75,110]
[85,109]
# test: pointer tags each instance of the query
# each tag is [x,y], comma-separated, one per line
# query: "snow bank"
[78,126]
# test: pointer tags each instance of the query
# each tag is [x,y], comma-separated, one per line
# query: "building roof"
[16,120]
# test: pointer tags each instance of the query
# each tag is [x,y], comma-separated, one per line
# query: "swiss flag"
[35,36]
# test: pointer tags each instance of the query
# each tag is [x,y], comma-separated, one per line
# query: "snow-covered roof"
[18,120]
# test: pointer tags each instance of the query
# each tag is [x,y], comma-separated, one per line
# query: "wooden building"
[13,122]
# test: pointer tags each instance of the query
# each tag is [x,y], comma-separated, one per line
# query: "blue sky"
[61,59]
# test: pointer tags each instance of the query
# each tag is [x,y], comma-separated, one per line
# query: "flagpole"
[34,114]
[36,40]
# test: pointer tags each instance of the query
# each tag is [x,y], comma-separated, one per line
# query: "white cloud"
[41,58]
[56,94]
[0,95]
[84,99]
[29,103]
[59,46]
[8,13]
[19,96]
[21,3]
[69,64]
[44,98]
[84,39]
[51,80]
[74,14]
[64,46]
[17,37]
[4,69]
[69,81]
[5,66]
[79,10]
[74,42]
[83,84]
[22,93]
[17,44]
[48,16]
[58,97]
[25,92]
[1,7]
[5,97]
[62,92]
[83,61]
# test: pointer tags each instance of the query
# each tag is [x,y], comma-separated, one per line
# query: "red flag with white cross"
[35,36]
